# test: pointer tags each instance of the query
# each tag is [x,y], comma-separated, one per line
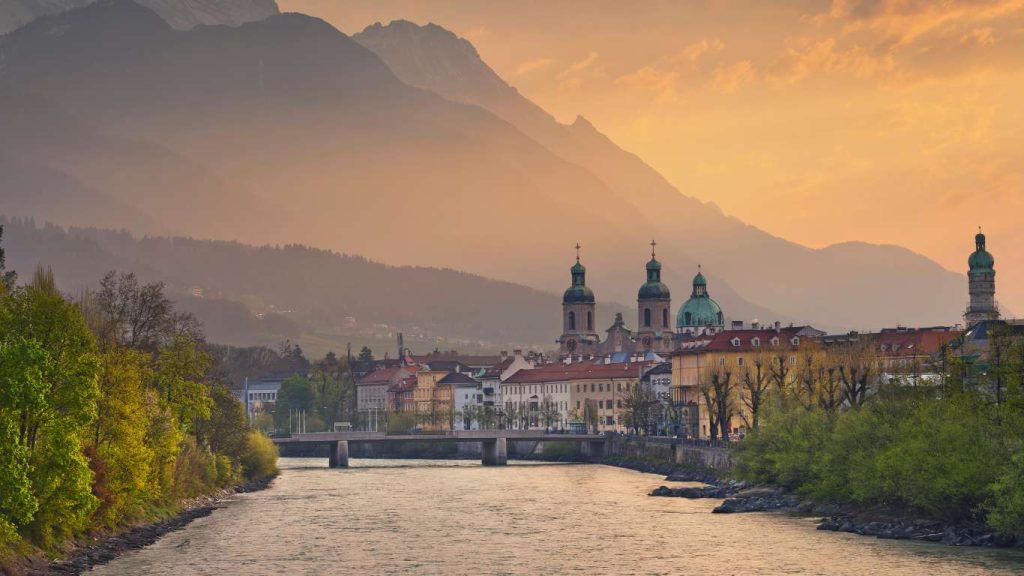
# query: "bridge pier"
[593,449]
[494,452]
[338,456]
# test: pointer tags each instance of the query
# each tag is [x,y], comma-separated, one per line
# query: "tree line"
[950,448]
[111,411]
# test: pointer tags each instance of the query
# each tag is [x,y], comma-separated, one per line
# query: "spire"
[653,244]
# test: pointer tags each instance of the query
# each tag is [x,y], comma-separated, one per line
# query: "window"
[664,317]
[577,404]
[792,360]
[600,404]
[688,319]
[610,420]
[600,387]
[647,316]
[592,388]
[739,361]
[620,387]
[721,361]
[755,342]
[775,340]
[795,341]
[590,320]
[572,320]
[619,404]
[577,388]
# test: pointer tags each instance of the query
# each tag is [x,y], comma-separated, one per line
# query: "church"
[656,332]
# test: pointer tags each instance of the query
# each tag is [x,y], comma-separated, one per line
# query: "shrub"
[259,460]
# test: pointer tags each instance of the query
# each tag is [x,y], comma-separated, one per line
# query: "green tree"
[365,355]
[7,277]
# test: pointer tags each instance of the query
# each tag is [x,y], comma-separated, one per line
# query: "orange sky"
[896,121]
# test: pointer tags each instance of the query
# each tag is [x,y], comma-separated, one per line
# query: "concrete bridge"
[493,443]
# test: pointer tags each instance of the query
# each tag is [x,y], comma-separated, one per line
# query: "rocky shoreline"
[739,499]
[82,558]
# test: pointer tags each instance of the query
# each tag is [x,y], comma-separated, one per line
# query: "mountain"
[287,131]
[181,14]
[263,294]
[850,285]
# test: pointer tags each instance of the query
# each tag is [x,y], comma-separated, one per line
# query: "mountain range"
[248,295]
[400,144]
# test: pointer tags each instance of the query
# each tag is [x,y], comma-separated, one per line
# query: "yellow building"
[743,366]
[434,401]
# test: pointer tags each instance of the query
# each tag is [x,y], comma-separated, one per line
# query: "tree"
[7,277]
[856,365]
[296,395]
[138,316]
[55,407]
[717,390]
[641,408]
[754,382]
[550,415]
[365,355]
[590,415]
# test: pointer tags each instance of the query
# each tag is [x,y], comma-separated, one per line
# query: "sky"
[886,121]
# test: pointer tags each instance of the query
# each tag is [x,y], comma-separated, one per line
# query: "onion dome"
[980,261]
[578,292]
[654,288]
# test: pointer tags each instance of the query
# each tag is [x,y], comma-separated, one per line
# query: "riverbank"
[82,555]
[885,524]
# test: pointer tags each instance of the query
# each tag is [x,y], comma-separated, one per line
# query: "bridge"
[493,443]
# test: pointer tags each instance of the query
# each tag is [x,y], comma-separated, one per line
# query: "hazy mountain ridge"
[285,130]
[181,14]
[829,285]
[339,115]
[320,288]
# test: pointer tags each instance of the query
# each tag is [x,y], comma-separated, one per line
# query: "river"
[457,517]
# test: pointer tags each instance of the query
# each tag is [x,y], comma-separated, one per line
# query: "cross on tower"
[653,244]
[577,251]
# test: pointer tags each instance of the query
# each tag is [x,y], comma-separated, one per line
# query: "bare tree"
[717,389]
[137,315]
[856,364]
[754,382]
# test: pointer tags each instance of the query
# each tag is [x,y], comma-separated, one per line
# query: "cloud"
[572,77]
[693,52]
[660,83]
[803,58]
[533,66]
[979,36]
[904,21]
[729,78]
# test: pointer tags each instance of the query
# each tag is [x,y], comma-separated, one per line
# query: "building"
[768,357]
[578,336]
[537,398]
[654,311]
[981,282]
[467,397]
[372,398]
[434,401]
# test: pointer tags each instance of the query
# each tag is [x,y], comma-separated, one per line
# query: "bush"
[259,460]
[1006,510]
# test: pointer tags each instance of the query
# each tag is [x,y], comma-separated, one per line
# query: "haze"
[887,122]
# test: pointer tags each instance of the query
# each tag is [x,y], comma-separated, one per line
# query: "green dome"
[699,311]
[699,280]
[578,268]
[981,262]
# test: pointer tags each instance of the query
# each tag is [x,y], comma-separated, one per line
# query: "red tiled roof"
[725,341]
[912,342]
[382,375]
[578,371]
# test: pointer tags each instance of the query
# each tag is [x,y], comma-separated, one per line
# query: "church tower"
[578,335]
[654,305]
[981,282]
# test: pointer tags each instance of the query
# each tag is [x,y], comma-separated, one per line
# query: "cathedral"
[655,335]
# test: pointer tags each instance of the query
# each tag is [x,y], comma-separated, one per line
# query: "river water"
[445,517]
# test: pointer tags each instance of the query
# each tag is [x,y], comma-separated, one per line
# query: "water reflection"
[442,517]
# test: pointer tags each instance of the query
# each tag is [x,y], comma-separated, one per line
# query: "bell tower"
[981,284]
[578,335]
[654,304]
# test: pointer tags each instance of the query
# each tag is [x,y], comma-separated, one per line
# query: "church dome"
[578,292]
[654,288]
[578,295]
[699,311]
